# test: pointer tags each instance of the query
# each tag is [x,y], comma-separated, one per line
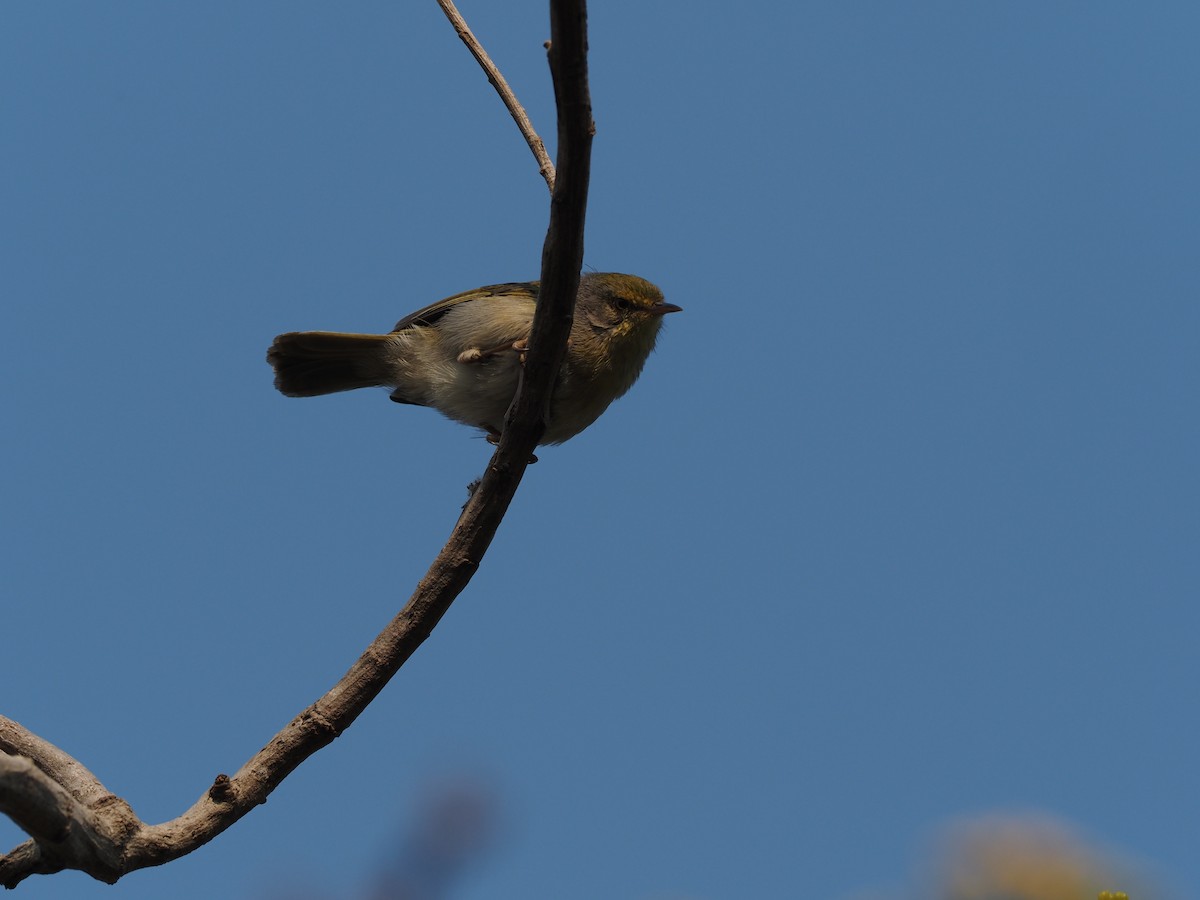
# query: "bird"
[463,355]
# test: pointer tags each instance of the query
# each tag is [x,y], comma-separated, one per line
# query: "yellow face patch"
[636,292]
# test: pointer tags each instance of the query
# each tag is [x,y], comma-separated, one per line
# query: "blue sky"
[899,526]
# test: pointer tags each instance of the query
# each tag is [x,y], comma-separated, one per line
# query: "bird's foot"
[479,354]
[493,438]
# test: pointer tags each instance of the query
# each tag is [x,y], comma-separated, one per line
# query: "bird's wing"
[430,314]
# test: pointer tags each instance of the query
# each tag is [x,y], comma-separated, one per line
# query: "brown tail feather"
[311,363]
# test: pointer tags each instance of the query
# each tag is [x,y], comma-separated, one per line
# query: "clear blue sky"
[900,525]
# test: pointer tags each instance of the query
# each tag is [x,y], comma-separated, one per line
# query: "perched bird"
[462,355]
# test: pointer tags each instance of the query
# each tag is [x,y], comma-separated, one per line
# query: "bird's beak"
[661,309]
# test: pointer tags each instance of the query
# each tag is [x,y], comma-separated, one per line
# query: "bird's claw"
[478,354]
[493,438]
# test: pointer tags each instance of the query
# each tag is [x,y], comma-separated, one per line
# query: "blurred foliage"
[452,825]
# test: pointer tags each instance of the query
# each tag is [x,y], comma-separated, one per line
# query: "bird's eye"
[623,304]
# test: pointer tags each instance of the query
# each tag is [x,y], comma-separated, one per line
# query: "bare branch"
[506,94]
[66,771]
[76,823]
[66,834]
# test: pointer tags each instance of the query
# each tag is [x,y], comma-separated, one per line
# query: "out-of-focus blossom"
[1031,857]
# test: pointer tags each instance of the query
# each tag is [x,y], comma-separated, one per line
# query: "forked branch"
[75,823]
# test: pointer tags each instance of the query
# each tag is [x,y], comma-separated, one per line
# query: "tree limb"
[65,834]
[75,823]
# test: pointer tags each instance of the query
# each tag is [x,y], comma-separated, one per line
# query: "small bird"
[462,355]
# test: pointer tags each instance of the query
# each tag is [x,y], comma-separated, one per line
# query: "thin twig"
[506,94]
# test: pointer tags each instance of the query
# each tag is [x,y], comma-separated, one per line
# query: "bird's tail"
[311,363]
